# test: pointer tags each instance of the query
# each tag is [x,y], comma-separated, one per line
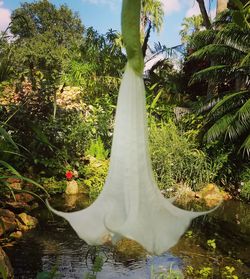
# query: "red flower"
[69,175]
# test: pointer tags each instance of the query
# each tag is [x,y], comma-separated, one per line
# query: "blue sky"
[105,14]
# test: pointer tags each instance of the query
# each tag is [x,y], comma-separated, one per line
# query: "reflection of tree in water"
[29,260]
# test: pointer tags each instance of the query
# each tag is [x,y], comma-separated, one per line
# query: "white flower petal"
[131,204]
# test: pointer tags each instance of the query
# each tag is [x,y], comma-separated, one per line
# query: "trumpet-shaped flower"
[131,204]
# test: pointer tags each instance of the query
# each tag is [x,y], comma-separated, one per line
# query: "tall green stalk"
[131,10]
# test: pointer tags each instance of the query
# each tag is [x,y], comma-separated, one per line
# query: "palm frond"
[245,61]
[225,102]
[243,113]
[235,129]
[216,73]
[202,39]
[245,147]
[220,52]
[234,36]
[219,128]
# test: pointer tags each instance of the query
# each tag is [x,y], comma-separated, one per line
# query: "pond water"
[54,245]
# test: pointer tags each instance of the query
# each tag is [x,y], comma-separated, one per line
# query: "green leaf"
[156,98]
[246,146]
[18,175]
[7,138]
[219,128]
[224,100]
[10,168]
[244,112]
[42,137]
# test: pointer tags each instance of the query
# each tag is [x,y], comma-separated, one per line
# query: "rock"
[5,265]
[6,213]
[17,206]
[16,235]
[211,194]
[21,226]
[24,197]
[7,221]
[15,183]
[27,220]
[72,188]
[129,249]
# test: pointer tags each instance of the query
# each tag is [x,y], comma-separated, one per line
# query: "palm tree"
[151,17]
[190,26]
[152,11]
[229,116]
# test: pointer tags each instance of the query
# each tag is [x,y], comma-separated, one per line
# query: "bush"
[245,183]
[95,174]
[52,185]
[176,159]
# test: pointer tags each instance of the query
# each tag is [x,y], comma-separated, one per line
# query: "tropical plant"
[190,26]
[7,145]
[176,158]
[152,12]
[229,113]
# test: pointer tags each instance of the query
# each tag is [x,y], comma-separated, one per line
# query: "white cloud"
[171,6]
[193,10]
[113,4]
[212,14]
[4,17]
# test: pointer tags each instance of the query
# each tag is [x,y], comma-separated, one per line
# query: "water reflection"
[55,244]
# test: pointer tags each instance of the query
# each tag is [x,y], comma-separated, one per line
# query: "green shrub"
[176,159]
[97,150]
[52,185]
[245,183]
[95,172]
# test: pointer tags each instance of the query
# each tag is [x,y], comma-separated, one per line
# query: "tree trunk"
[206,20]
[221,6]
[211,88]
[145,42]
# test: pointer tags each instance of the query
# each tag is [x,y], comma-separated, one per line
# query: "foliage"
[224,163]
[45,37]
[47,274]
[245,183]
[228,49]
[190,26]
[176,159]
[95,172]
[57,121]
[52,185]
[152,11]
[7,170]
[212,244]
[97,150]
[168,273]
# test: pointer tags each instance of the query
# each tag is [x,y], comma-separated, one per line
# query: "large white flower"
[131,204]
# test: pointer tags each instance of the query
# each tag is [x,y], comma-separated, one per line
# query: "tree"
[44,38]
[42,17]
[190,26]
[152,11]
[229,115]
[151,17]
[206,20]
